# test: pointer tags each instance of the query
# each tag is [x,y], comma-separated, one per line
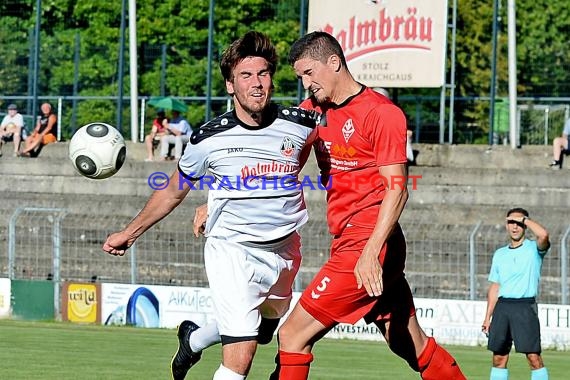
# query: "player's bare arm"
[492,297]
[542,237]
[368,271]
[160,204]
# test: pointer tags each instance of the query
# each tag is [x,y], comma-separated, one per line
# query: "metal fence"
[444,261]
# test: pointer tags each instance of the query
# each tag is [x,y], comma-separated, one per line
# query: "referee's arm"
[492,297]
[542,237]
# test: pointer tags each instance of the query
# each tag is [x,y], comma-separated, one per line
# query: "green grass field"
[50,350]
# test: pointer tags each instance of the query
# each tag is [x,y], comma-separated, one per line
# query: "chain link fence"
[443,261]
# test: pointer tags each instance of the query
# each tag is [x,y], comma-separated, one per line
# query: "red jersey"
[158,124]
[354,139]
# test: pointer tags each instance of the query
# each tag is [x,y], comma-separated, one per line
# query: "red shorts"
[333,296]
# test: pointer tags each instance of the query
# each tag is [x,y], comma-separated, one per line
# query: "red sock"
[436,363]
[294,366]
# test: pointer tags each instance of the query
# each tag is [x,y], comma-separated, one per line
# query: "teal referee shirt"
[517,270]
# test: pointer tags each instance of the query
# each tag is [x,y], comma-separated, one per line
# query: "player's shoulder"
[502,250]
[375,100]
[213,127]
[306,118]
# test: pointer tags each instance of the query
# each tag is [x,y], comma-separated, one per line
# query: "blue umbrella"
[168,103]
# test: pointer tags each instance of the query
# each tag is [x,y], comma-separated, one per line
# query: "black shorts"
[515,319]
[8,138]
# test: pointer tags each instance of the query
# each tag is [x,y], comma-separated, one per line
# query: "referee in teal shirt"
[512,312]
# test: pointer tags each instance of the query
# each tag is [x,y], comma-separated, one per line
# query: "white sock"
[224,373]
[205,337]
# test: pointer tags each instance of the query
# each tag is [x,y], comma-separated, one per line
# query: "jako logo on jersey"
[347,130]
[287,147]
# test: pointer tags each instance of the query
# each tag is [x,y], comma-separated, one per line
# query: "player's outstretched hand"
[200,217]
[117,243]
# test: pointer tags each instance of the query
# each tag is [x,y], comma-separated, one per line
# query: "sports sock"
[293,366]
[499,374]
[267,328]
[223,373]
[539,374]
[436,363]
[205,337]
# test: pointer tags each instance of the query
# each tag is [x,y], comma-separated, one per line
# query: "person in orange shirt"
[43,134]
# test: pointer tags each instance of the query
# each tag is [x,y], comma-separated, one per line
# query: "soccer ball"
[97,150]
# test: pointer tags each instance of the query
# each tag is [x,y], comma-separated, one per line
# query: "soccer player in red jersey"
[361,151]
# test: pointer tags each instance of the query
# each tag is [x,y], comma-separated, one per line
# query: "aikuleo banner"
[5,296]
[81,303]
[387,43]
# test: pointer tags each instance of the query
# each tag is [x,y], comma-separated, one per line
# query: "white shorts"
[248,282]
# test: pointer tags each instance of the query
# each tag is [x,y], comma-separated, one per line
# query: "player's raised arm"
[160,204]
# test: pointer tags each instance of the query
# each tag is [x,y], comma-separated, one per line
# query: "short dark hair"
[252,44]
[517,210]
[318,46]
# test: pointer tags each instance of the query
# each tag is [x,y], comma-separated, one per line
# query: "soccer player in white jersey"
[253,156]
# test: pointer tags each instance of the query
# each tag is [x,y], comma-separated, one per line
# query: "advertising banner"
[80,302]
[387,43]
[449,321]
[459,322]
[154,306]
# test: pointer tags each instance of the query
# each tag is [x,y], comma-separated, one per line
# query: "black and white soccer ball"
[97,150]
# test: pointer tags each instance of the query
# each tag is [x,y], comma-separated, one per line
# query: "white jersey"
[252,174]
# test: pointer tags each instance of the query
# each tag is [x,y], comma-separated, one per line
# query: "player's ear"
[334,63]
[230,88]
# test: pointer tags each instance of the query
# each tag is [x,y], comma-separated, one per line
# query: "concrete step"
[60,150]
[423,193]
[64,167]
[499,177]
[459,156]
[482,156]
[420,175]
[118,206]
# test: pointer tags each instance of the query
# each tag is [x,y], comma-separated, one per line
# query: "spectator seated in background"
[12,128]
[561,147]
[153,138]
[44,133]
[411,154]
[178,132]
